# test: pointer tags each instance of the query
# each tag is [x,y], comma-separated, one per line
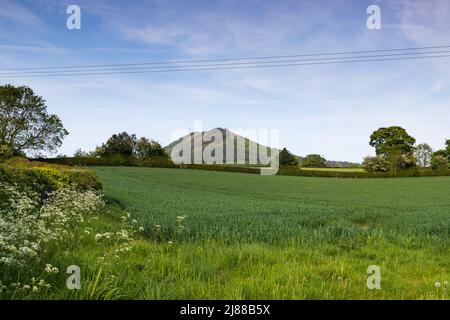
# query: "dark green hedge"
[111,161]
[412,172]
[45,178]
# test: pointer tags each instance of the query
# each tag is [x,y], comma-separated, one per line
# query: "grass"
[248,236]
[273,237]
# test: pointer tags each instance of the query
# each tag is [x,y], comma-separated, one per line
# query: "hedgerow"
[45,178]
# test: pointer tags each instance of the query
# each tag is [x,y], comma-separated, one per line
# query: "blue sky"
[327,109]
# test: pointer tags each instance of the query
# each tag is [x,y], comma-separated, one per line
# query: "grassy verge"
[215,270]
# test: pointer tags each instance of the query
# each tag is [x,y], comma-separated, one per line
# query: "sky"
[326,109]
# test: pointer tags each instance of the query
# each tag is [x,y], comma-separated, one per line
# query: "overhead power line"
[226,64]
[227,68]
[233,63]
[230,59]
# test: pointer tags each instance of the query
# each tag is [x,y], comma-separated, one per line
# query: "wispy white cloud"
[13,11]
[32,49]
[423,22]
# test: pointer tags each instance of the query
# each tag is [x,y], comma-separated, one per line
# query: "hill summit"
[242,148]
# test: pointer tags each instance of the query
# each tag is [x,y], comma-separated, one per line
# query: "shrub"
[45,178]
[314,161]
[5,152]
[287,158]
[376,164]
[439,163]
[401,161]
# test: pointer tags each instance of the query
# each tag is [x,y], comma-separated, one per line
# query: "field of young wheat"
[231,235]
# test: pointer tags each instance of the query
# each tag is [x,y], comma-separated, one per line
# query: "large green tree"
[392,141]
[146,148]
[287,158]
[314,161]
[122,144]
[25,124]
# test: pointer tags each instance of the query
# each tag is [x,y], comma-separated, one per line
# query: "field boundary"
[283,171]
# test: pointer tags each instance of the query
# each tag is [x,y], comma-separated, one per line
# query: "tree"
[314,161]
[376,164]
[81,154]
[442,153]
[146,148]
[439,162]
[423,154]
[25,124]
[392,141]
[447,149]
[122,144]
[395,145]
[287,158]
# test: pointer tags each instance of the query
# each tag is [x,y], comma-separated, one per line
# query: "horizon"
[324,109]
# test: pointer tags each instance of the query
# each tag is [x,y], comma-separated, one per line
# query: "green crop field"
[243,236]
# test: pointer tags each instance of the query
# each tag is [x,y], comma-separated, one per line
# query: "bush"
[376,164]
[439,163]
[314,161]
[45,178]
[401,161]
[287,158]
[5,152]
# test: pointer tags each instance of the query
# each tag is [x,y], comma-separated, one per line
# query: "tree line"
[396,150]
[126,145]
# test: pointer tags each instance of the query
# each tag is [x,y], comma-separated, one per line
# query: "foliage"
[124,147]
[27,227]
[444,152]
[81,154]
[400,161]
[114,160]
[146,148]
[423,153]
[314,161]
[45,178]
[286,158]
[439,162]
[25,123]
[376,164]
[447,144]
[318,172]
[392,141]
[122,144]
[5,152]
